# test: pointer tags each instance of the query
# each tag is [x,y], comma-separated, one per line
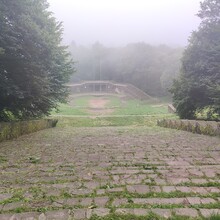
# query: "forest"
[150,68]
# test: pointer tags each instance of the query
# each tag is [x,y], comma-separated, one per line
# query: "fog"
[119,22]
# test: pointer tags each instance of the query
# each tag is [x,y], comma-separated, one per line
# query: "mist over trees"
[150,68]
[34,66]
[198,88]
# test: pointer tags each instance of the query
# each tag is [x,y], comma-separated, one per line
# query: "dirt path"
[98,107]
[98,103]
[78,172]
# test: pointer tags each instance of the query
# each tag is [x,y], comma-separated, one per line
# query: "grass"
[34,160]
[113,102]
[142,113]
[82,102]
[129,107]
[66,109]
[107,121]
[136,107]
[150,216]
[3,159]
[208,184]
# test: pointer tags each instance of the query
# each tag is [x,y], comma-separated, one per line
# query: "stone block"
[168,189]
[165,213]
[209,212]
[101,201]
[101,212]
[58,215]
[186,212]
[140,189]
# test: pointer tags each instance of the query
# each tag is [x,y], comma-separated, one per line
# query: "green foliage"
[215,217]
[33,64]
[199,127]
[10,130]
[3,159]
[210,11]
[34,160]
[198,86]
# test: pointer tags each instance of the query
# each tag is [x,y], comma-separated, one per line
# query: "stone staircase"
[76,173]
[136,93]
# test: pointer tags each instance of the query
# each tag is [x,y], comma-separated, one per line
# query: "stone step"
[78,214]
[165,201]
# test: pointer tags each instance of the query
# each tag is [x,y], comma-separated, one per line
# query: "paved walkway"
[74,173]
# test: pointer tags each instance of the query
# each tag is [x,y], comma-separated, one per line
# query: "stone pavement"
[74,173]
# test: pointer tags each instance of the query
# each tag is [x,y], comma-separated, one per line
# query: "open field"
[113,167]
[109,105]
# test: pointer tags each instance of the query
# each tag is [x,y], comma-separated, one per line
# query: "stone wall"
[171,109]
[10,130]
[200,127]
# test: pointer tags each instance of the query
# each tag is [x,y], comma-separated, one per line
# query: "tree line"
[196,93]
[35,66]
[150,68]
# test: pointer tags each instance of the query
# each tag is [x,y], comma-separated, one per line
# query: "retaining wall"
[200,127]
[10,130]
[109,87]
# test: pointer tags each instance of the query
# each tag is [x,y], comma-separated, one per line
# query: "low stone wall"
[200,127]
[111,87]
[10,130]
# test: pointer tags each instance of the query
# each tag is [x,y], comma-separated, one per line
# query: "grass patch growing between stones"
[174,194]
[150,216]
[208,184]
[3,159]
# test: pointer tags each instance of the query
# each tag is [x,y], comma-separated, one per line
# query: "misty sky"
[119,22]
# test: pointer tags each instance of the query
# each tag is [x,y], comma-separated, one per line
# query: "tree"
[34,66]
[198,86]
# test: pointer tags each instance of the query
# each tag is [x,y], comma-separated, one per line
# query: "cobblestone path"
[74,173]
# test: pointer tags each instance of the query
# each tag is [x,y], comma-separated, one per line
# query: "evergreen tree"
[34,66]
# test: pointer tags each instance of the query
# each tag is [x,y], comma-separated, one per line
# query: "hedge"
[10,130]
[211,128]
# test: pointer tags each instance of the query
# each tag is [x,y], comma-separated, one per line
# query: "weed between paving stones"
[82,166]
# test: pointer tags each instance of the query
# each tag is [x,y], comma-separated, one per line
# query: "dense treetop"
[197,91]
[33,64]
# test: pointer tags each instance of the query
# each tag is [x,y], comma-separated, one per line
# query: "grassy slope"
[129,107]
[135,107]
[142,113]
